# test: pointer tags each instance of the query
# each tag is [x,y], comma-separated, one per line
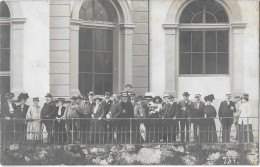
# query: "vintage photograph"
[129,82]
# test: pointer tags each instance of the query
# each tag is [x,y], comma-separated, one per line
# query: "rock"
[149,156]
[178,149]
[129,158]
[73,147]
[27,159]
[232,153]
[115,148]
[189,160]
[42,154]
[98,150]
[103,162]
[213,157]
[85,151]
[130,147]
[14,147]
[252,159]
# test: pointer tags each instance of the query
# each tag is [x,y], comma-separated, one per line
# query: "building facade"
[67,47]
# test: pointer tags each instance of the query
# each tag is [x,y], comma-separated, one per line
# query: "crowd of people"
[109,115]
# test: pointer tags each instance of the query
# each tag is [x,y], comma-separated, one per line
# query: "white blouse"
[246,111]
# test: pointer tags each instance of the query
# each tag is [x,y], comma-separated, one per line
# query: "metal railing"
[124,131]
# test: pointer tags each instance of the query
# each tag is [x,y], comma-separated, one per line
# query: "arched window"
[4,48]
[204,38]
[96,35]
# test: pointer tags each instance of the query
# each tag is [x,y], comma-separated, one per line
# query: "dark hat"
[185,94]
[148,97]
[23,96]
[171,97]
[74,97]
[107,94]
[124,94]
[48,95]
[228,94]
[98,98]
[197,95]
[60,99]
[209,98]
[36,99]
[91,93]
[138,98]
[245,96]
[157,97]
[128,85]
[9,95]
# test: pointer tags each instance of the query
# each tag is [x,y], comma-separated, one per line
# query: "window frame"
[203,27]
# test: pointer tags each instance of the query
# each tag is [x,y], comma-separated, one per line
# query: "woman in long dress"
[140,112]
[34,123]
[245,133]
[208,132]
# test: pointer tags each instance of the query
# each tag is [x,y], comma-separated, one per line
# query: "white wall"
[36,47]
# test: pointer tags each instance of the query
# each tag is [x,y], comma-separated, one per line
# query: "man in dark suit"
[106,103]
[226,109]
[8,112]
[170,111]
[197,114]
[59,124]
[47,114]
[20,113]
[185,111]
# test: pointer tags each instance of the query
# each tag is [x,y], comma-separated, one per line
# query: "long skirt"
[208,132]
[245,133]
[34,130]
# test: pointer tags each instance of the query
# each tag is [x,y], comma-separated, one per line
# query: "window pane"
[185,63]
[198,18]
[4,10]
[81,83]
[4,85]
[197,63]
[108,83]
[87,83]
[223,37]
[108,62]
[222,63]
[210,18]
[185,41]
[5,60]
[210,63]
[210,41]
[99,82]
[197,41]
[99,62]
[108,40]
[99,35]
[88,39]
[81,61]
[4,36]
[88,61]
[81,39]
[186,16]
[221,16]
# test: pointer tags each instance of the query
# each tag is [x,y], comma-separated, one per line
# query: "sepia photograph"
[129,82]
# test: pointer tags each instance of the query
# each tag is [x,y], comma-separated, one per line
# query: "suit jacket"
[62,112]
[198,113]
[189,109]
[107,105]
[48,110]
[5,110]
[225,111]
[99,113]
[170,111]
[114,109]
[89,107]
[129,110]
[21,112]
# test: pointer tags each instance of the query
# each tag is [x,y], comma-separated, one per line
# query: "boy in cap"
[197,114]
[185,111]
[226,109]
[47,114]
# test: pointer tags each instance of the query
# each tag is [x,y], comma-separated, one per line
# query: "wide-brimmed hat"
[245,96]
[98,98]
[209,98]
[9,95]
[48,95]
[165,95]
[60,99]
[23,96]
[107,94]
[185,94]
[157,97]
[124,94]
[197,95]
[74,97]
[36,99]
[128,85]
[171,97]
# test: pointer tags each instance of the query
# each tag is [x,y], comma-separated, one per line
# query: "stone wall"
[164,154]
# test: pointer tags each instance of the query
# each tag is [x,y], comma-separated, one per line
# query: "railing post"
[130,130]
[72,131]
[14,130]
[248,130]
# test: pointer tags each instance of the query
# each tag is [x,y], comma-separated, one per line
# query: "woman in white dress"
[245,133]
[33,117]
